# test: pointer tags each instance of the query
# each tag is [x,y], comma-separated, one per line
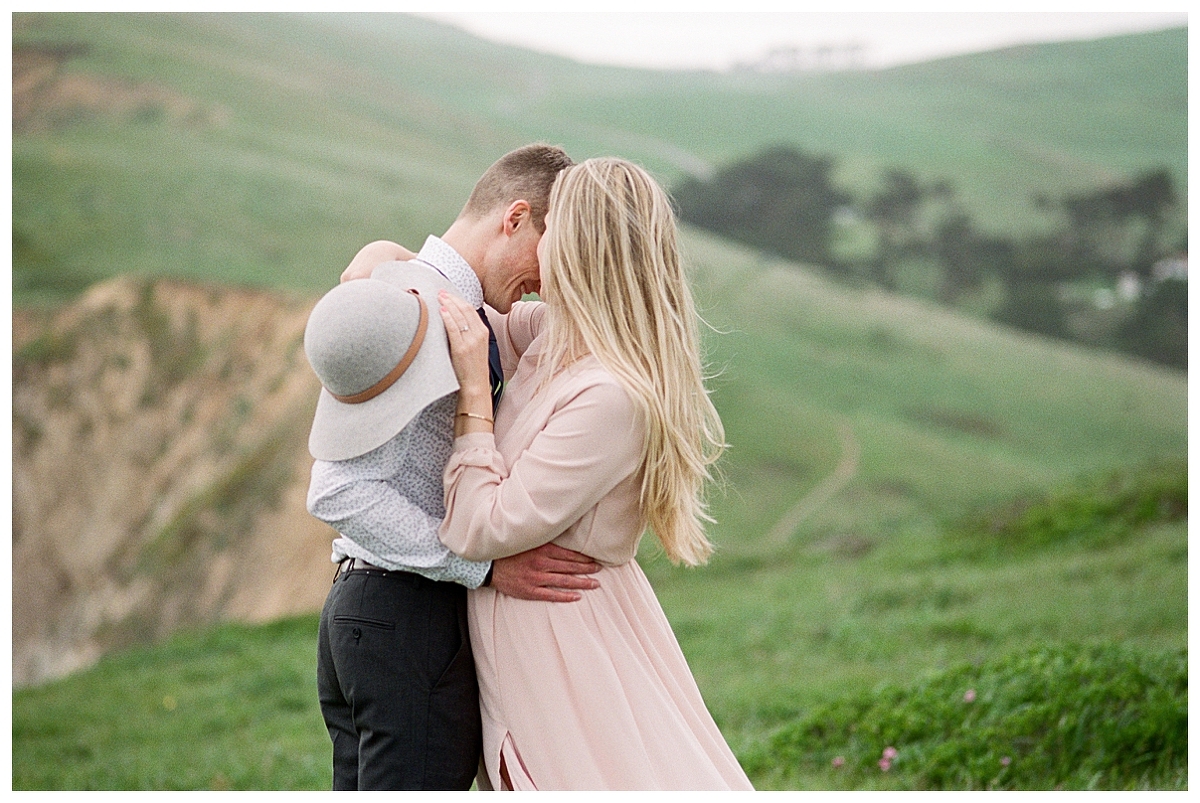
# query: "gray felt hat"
[380,360]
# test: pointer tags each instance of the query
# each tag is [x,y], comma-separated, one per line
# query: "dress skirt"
[592,695]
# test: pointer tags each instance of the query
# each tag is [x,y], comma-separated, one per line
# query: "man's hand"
[371,256]
[544,573]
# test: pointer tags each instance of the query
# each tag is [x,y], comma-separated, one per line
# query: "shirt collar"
[442,257]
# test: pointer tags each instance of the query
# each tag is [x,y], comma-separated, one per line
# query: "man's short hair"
[527,173]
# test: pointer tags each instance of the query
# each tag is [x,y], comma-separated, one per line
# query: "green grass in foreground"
[230,708]
[1059,718]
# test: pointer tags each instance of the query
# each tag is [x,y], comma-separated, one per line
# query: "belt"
[359,565]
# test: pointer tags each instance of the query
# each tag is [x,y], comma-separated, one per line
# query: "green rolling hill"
[266,148]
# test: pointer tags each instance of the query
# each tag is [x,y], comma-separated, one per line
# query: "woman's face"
[542,250]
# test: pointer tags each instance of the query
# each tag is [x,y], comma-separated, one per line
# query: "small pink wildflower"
[884,764]
[1005,761]
[889,753]
[969,697]
[838,762]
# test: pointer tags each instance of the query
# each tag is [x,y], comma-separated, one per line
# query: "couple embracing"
[490,466]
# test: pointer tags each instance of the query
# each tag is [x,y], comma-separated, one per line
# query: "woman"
[605,429]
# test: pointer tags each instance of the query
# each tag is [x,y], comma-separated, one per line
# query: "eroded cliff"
[159,469]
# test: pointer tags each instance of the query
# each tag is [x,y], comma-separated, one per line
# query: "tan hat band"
[401,367]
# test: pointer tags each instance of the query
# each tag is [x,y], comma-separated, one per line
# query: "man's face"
[517,272]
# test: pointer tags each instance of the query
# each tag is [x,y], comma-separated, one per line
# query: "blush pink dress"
[588,695]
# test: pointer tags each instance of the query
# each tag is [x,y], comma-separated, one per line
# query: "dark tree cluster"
[1120,228]
[781,200]
[786,201]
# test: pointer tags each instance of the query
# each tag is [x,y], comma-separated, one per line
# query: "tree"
[1152,197]
[1157,328]
[967,257]
[781,199]
[893,210]
[1120,228]
[1034,307]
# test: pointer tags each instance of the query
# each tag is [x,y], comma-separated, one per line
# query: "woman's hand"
[469,353]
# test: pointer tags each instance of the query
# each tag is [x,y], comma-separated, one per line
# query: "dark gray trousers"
[396,681]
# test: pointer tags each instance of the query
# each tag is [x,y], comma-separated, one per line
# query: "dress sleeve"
[590,443]
[515,331]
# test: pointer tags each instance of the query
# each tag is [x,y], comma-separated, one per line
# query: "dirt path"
[846,468]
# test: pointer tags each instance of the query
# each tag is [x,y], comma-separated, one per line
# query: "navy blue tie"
[496,373]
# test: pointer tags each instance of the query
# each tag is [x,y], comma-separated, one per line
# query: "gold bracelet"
[480,417]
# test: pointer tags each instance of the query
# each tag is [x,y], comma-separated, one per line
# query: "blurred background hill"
[972,331]
[272,129]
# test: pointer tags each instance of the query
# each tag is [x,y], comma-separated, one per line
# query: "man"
[395,671]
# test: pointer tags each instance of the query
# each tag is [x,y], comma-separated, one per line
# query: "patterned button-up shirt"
[387,504]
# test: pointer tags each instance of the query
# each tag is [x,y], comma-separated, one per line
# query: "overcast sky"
[718,40]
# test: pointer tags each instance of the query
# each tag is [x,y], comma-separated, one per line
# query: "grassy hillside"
[291,157]
[944,415]
[267,148]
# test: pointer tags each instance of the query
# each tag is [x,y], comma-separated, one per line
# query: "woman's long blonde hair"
[612,273]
